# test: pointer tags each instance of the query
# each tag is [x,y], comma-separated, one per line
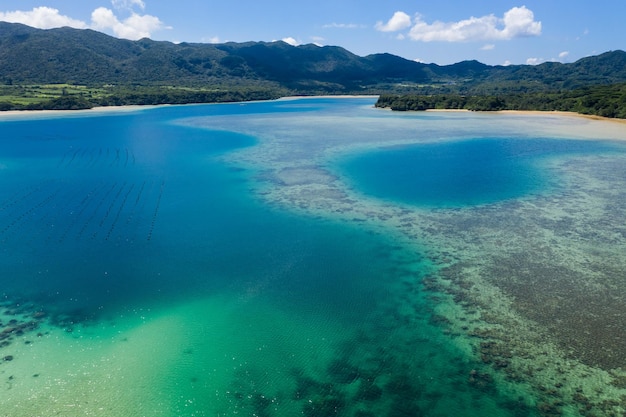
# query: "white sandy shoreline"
[19,114]
[562,113]
[137,107]
[535,113]
[26,114]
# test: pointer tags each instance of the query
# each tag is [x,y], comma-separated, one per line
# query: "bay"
[216,260]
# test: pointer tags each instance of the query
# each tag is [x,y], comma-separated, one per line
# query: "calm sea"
[147,278]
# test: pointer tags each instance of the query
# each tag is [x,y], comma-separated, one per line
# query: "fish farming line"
[83,153]
[55,214]
[143,185]
[116,161]
[95,162]
[144,206]
[156,210]
[74,210]
[62,161]
[72,158]
[19,203]
[19,197]
[82,206]
[108,211]
[23,215]
[134,208]
[92,157]
[95,211]
[119,211]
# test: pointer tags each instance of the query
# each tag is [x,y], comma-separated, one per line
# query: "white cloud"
[398,21]
[487,47]
[42,18]
[536,61]
[291,41]
[213,39]
[517,22]
[342,26]
[128,4]
[507,63]
[520,22]
[133,27]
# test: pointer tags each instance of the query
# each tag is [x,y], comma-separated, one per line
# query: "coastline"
[26,114]
[535,113]
[12,114]
[328,96]
[137,107]
[563,113]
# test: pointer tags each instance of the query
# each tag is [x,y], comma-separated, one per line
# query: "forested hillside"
[78,68]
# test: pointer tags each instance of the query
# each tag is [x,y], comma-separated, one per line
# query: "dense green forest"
[602,100]
[67,68]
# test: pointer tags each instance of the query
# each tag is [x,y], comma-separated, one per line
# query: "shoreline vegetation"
[80,97]
[607,101]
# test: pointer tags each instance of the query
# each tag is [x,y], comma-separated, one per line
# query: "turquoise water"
[162,286]
[460,173]
[107,211]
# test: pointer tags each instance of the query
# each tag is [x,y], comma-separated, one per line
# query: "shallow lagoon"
[219,259]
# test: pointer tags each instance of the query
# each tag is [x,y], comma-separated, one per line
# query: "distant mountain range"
[86,57]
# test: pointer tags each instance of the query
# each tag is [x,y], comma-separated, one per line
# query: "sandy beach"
[563,113]
[26,114]
[16,114]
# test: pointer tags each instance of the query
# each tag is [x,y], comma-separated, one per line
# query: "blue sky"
[496,32]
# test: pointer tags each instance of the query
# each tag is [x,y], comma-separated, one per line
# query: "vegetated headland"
[600,100]
[70,69]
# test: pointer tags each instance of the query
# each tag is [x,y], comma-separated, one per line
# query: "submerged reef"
[533,286]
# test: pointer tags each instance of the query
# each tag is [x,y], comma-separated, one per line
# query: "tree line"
[602,100]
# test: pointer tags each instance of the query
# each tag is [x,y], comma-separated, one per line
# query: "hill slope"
[77,56]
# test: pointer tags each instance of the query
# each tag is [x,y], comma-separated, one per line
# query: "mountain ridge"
[83,56]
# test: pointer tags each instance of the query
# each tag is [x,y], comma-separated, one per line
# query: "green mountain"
[31,56]
[75,56]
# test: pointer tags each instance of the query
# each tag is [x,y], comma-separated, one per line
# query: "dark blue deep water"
[460,173]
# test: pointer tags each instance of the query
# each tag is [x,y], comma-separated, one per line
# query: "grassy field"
[29,94]
[70,96]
